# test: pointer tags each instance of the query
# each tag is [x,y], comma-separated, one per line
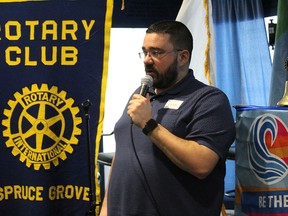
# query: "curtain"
[243,62]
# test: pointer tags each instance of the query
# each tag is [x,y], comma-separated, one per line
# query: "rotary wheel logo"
[41,126]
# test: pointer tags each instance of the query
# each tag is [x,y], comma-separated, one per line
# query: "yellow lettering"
[78,192]
[86,194]
[34,97]
[31,195]
[14,56]
[17,30]
[53,56]
[69,28]
[59,101]
[49,27]
[38,193]
[8,190]
[19,192]
[52,193]
[69,192]
[66,30]
[8,51]
[29,62]
[53,99]
[39,158]
[27,100]
[1,194]
[69,55]
[45,96]
[19,142]
[25,194]
[87,28]
[60,192]
[26,150]
[31,25]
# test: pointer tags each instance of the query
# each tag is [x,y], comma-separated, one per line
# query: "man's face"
[161,60]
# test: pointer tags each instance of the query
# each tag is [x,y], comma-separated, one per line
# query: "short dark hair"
[180,36]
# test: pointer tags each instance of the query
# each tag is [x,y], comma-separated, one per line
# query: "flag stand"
[92,200]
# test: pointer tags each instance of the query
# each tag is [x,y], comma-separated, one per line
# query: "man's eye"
[156,52]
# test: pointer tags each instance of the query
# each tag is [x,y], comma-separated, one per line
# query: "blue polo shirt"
[191,110]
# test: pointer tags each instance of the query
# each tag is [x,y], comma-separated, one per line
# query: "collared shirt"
[191,110]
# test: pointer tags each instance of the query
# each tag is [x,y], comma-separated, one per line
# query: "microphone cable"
[143,172]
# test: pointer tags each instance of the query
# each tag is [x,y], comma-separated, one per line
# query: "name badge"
[173,104]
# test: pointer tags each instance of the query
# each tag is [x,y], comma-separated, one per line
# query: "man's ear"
[183,56]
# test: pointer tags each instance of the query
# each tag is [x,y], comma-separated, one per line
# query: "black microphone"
[146,83]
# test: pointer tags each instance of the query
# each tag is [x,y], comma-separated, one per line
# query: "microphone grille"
[147,80]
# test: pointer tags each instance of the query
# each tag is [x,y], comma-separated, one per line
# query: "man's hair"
[180,36]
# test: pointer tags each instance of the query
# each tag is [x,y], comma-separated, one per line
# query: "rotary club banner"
[261,161]
[53,62]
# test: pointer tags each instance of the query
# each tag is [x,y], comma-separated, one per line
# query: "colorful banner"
[53,58]
[261,161]
[280,60]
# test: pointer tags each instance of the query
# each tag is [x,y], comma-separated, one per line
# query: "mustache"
[150,68]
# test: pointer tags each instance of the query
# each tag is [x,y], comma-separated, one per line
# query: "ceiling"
[141,13]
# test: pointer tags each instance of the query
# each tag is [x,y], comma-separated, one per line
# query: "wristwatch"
[150,126]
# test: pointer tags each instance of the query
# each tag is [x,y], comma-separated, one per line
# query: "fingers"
[137,108]
[137,97]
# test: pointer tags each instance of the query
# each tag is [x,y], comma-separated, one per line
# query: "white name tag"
[173,104]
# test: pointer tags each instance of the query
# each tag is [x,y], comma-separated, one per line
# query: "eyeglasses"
[156,54]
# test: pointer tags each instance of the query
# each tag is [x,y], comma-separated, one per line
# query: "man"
[172,144]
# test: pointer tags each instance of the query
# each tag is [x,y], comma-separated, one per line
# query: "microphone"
[146,83]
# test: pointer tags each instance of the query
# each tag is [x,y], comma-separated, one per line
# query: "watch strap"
[150,126]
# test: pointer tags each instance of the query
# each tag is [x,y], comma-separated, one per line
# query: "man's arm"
[188,155]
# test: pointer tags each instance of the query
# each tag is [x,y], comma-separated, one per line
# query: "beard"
[166,79]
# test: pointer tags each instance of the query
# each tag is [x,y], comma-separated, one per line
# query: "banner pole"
[92,199]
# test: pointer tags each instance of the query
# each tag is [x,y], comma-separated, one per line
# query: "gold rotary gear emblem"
[41,126]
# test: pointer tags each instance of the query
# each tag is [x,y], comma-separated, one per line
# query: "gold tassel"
[223,210]
[207,50]
[123,5]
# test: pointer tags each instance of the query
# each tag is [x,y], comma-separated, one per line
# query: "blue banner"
[53,57]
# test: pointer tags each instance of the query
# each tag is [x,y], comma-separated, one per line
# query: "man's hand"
[139,110]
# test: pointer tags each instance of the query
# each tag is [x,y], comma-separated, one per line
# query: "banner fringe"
[123,5]
[207,50]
